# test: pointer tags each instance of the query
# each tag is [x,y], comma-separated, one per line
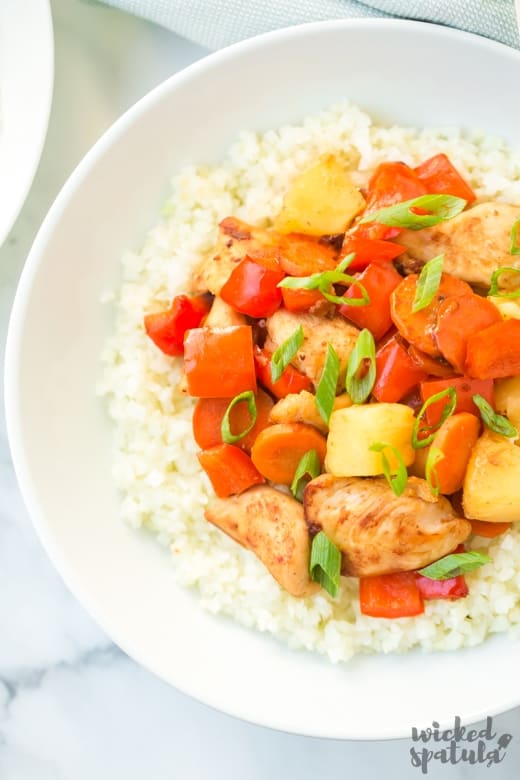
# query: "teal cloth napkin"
[217,23]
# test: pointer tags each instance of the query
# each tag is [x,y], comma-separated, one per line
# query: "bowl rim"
[17,317]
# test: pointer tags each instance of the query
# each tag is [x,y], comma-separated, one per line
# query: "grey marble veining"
[73,706]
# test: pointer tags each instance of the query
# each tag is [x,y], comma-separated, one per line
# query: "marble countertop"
[72,705]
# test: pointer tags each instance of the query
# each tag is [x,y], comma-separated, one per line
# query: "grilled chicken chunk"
[378,532]
[474,244]
[222,315]
[318,332]
[270,524]
[301,407]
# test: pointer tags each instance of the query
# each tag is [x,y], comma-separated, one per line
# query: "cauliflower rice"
[163,487]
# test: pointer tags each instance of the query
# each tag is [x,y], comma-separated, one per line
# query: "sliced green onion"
[360,387]
[398,478]
[454,564]
[326,390]
[434,456]
[448,410]
[308,468]
[285,353]
[495,276]
[440,208]
[428,283]
[515,239]
[225,428]
[325,280]
[495,422]
[325,563]
[344,264]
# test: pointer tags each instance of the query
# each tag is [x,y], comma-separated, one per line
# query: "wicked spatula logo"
[459,745]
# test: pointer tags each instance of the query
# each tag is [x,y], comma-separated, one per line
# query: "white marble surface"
[72,706]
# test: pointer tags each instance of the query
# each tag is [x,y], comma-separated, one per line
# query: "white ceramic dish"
[26,84]
[60,437]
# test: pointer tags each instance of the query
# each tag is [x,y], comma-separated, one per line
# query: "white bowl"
[26,84]
[61,439]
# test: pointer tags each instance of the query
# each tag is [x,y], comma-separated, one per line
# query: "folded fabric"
[217,23]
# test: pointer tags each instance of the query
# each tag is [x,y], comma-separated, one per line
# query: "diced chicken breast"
[378,532]
[474,244]
[318,332]
[222,315]
[301,407]
[270,524]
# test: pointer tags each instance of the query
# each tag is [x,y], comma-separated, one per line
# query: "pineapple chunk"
[321,201]
[507,399]
[354,430]
[491,484]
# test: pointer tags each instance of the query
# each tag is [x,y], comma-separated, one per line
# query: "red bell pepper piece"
[454,588]
[375,231]
[300,300]
[396,372]
[379,281]
[252,289]
[167,328]
[229,469]
[369,251]
[464,387]
[393,182]
[390,595]
[219,363]
[291,381]
[441,177]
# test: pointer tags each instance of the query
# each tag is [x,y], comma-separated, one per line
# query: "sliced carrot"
[428,364]
[458,317]
[209,413]
[300,300]
[419,327]
[291,381]
[489,530]
[301,255]
[455,439]
[279,448]
[494,353]
[229,469]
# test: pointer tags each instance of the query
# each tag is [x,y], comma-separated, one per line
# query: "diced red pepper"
[379,281]
[229,469]
[441,177]
[369,251]
[393,182]
[252,289]
[464,387]
[390,595]
[375,231]
[219,363]
[453,588]
[396,372]
[291,381]
[167,328]
[300,300]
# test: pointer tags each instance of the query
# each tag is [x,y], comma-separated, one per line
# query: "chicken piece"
[222,315]
[318,332]
[378,532]
[474,244]
[235,240]
[270,524]
[301,407]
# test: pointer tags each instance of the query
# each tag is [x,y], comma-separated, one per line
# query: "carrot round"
[455,439]
[229,469]
[419,327]
[302,256]
[458,317]
[489,530]
[209,413]
[494,353]
[428,364]
[279,448]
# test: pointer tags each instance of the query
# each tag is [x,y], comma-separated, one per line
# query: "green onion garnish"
[428,283]
[326,390]
[360,387]
[285,353]
[324,281]
[325,563]
[495,422]
[440,208]
[454,564]
[448,410]
[225,428]
[495,276]
[397,478]
[308,468]
[515,239]
[434,456]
